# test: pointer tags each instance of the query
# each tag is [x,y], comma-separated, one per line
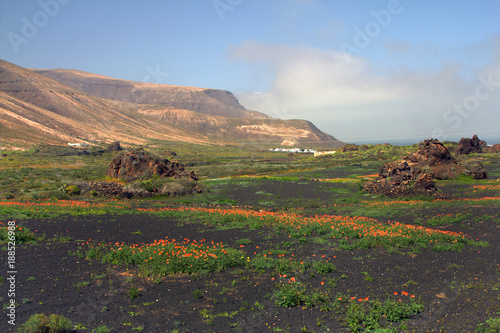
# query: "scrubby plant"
[72,190]
[370,315]
[324,267]
[492,325]
[133,293]
[40,323]
[22,235]
[102,329]
[180,187]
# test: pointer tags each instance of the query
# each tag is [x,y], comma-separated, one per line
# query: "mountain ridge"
[214,102]
[37,109]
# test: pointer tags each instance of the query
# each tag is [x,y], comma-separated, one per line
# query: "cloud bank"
[358,101]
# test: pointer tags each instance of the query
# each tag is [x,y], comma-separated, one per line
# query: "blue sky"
[364,71]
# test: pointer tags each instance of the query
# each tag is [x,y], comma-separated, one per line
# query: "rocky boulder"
[415,173]
[350,147]
[138,164]
[474,169]
[115,146]
[466,146]
[399,179]
[394,188]
[431,152]
[495,148]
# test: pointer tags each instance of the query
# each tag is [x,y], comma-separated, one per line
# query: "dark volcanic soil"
[457,288]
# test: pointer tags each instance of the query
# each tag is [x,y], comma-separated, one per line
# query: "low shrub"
[102,329]
[181,187]
[492,325]
[72,190]
[40,323]
[22,235]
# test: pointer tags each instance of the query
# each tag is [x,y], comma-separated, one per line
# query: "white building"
[294,150]
[80,144]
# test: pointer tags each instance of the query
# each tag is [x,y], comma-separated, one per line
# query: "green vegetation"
[492,325]
[19,235]
[371,315]
[294,224]
[170,257]
[102,329]
[40,323]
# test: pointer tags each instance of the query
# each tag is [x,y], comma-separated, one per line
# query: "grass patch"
[491,325]
[373,315]
[40,323]
[47,209]
[352,232]
[166,256]
[17,234]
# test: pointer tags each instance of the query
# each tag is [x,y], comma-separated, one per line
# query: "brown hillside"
[35,109]
[208,101]
[285,132]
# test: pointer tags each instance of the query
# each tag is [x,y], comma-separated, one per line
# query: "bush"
[72,190]
[179,187]
[324,267]
[136,188]
[174,189]
[102,329]
[492,325]
[40,323]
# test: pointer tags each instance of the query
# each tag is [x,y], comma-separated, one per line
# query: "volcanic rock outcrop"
[138,164]
[434,158]
[495,148]
[415,173]
[115,146]
[350,147]
[466,146]
[399,179]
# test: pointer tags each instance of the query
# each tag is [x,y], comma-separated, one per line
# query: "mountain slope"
[35,109]
[284,132]
[208,101]
[43,109]
[213,112]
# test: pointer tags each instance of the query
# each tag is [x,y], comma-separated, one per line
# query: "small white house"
[80,144]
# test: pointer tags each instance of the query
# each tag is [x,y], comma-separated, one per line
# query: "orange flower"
[322,282]
[395,293]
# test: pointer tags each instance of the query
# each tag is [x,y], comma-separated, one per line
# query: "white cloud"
[348,100]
